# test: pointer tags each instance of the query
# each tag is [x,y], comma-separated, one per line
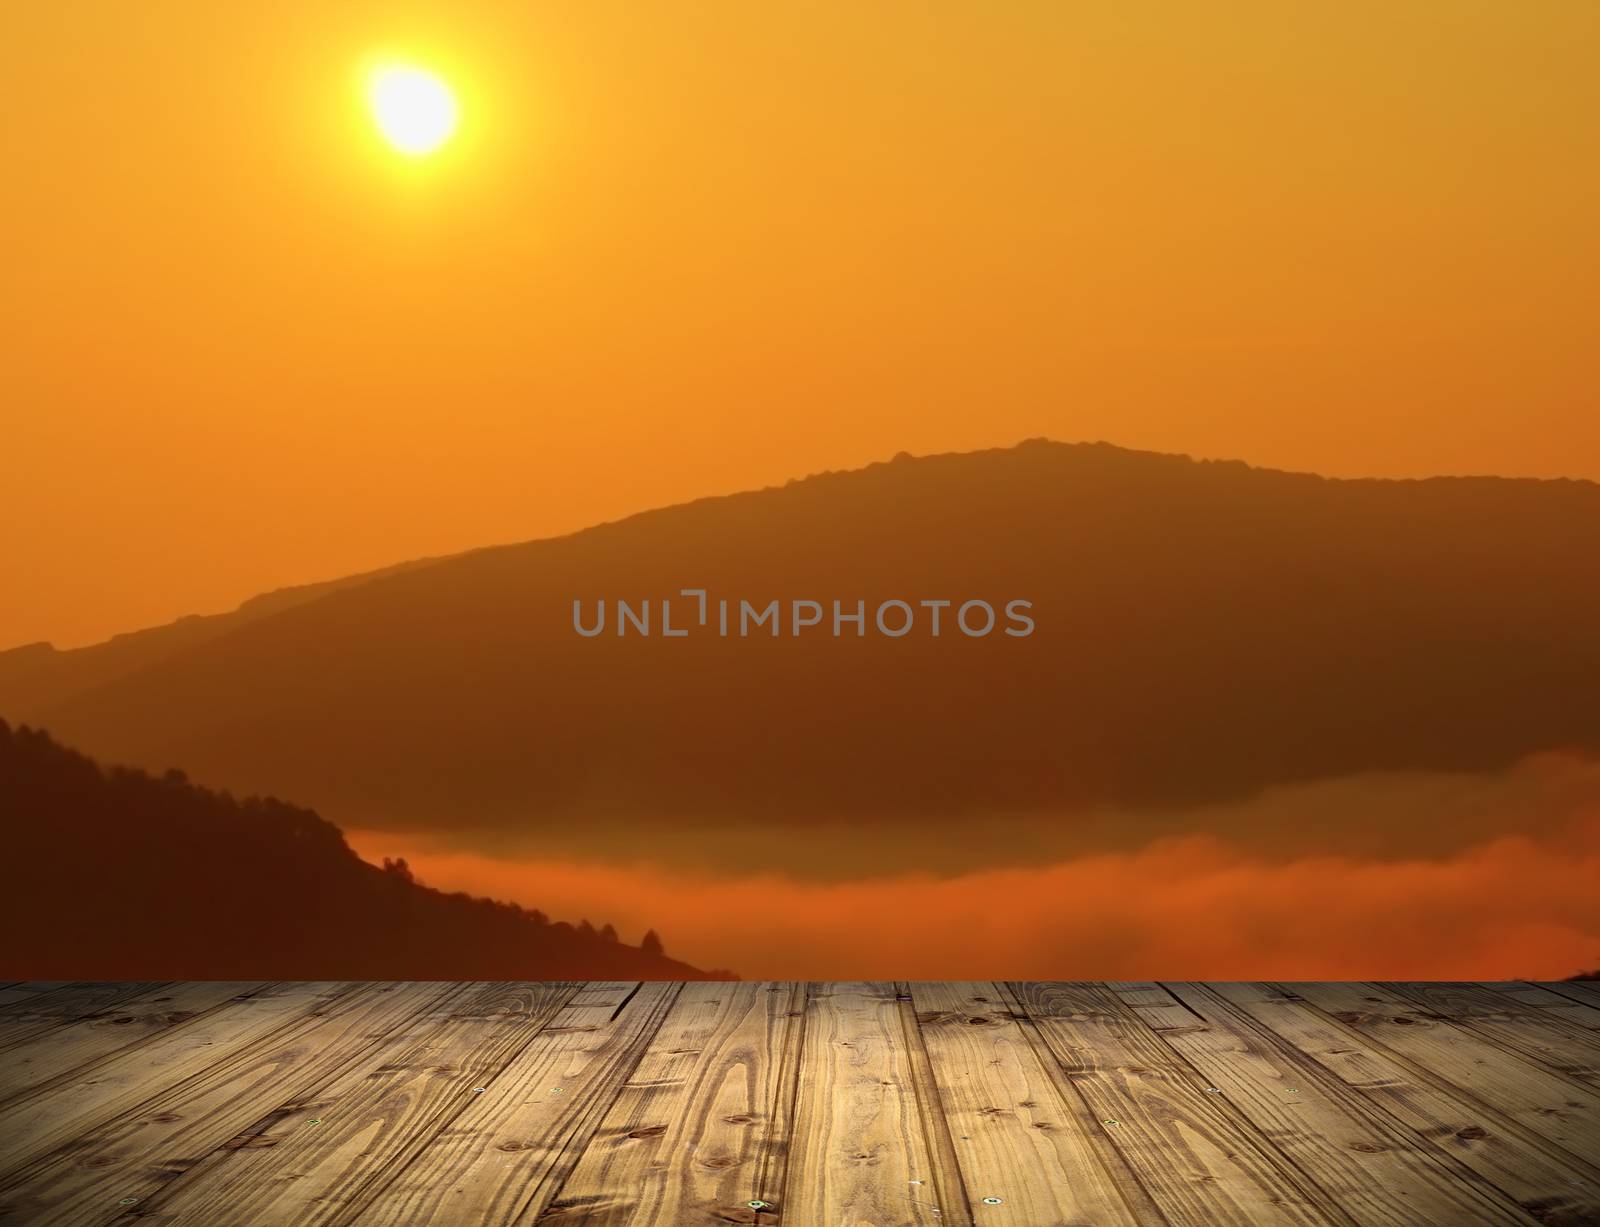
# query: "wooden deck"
[808,1105]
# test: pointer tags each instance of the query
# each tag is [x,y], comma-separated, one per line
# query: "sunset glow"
[898,490]
[680,252]
[414,109]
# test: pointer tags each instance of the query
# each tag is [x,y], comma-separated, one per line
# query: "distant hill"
[37,674]
[115,874]
[1204,630]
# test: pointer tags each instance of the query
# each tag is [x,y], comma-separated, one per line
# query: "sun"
[415,109]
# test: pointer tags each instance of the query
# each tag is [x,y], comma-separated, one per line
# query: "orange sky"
[682,249]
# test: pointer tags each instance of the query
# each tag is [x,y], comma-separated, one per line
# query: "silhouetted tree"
[119,875]
[651,944]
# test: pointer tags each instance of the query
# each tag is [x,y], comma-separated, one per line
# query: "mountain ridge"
[272,600]
[1206,629]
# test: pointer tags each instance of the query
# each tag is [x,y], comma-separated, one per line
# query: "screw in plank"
[758,1204]
[994,1201]
[917,1182]
[127,1201]
[1213,1090]
[1108,1121]
[315,1120]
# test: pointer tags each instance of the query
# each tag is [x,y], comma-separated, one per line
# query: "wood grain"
[505,1157]
[73,1106]
[166,1135]
[1199,1158]
[1548,999]
[844,1105]
[325,1154]
[32,1015]
[1543,1102]
[1558,1044]
[1542,1178]
[859,1138]
[700,1130]
[1585,991]
[1381,1171]
[77,1044]
[1023,1138]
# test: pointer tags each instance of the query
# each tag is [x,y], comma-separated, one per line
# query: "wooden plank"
[22,1021]
[1543,999]
[310,1160]
[946,1189]
[15,992]
[1579,990]
[1583,993]
[73,998]
[74,1046]
[1382,1172]
[860,1139]
[1541,1101]
[1022,1137]
[663,1104]
[1542,1178]
[136,1155]
[46,1117]
[503,1158]
[62,990]
[1568,1048]
[700,1130]
[1199,1159]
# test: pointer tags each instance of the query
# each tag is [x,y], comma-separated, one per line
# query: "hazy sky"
[687,248]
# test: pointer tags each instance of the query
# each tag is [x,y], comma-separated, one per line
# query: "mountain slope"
[1203,630]
[38,675]
[120,875]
